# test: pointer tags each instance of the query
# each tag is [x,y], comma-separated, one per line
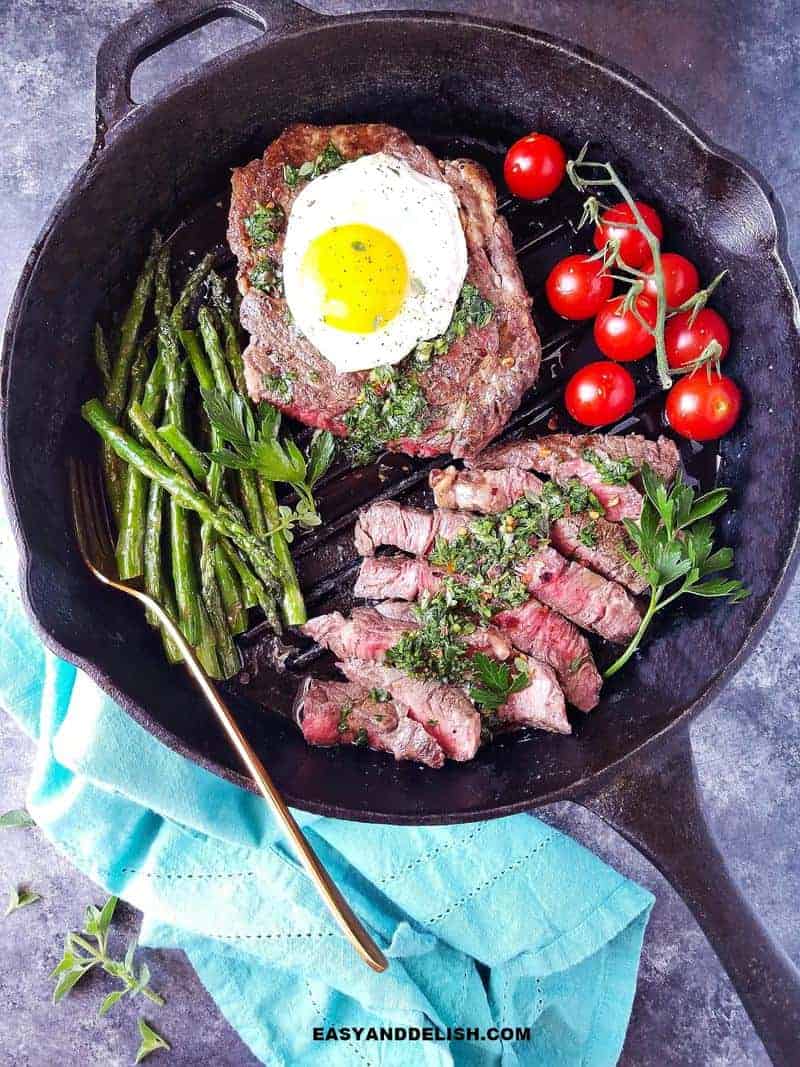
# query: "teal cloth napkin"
[504,923]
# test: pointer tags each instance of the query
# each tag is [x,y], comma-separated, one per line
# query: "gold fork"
[96,547]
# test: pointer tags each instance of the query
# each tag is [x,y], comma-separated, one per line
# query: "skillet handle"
[165,21]
[656,804]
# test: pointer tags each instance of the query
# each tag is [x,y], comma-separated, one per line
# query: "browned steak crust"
[471,390]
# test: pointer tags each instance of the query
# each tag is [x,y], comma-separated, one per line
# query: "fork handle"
[338,906]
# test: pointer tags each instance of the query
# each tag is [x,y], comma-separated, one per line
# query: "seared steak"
[473,388]
[586,598]
[548,636]
[343,713]
[445,711]
[533,628]
[563,456]
[588,538]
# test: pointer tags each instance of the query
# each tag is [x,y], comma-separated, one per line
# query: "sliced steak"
[588,599]
[343,713]
[474,387]
[548,636]
[384,520]
[562,457]
[445,711]
[540,704]
[588,538]
[538,453]
[533,628]
[395,578]
[367,635]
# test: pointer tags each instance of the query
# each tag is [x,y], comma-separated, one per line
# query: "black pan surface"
[463,87]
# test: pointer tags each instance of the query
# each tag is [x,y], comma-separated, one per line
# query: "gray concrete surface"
[733,66]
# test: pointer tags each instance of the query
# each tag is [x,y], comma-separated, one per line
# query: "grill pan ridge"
[463,86]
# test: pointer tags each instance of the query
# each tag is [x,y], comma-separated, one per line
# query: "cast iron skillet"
[462,85]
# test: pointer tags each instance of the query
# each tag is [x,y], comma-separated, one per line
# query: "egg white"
[420,214]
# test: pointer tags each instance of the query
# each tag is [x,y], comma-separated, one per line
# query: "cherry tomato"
[686,340]
[600,393]
[633,246]
[681,279]
[577,288]
[619,334]
[535,166]
[703,405]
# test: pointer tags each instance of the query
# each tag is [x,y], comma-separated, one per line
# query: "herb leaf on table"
[17,819]
[20,898]
[81,956]
[151,1041]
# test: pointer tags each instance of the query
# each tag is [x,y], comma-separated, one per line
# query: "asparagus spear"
[130,539]
[101,356]
[117,389]
[155,582]
[228,654]
[293,606]
[193,283]
[183,490]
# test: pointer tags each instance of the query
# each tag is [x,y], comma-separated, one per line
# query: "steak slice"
[445,711]
[343,713]
[588,599]
[474,387]
[533,628]
[369,633]
[492,491]
[548,636]
[561,456]
[540,704]
[385,521]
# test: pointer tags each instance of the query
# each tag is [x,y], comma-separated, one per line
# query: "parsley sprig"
[259,448]
[495,682]
[89,949]
[674,538]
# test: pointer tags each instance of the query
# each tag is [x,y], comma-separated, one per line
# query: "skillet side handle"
[656,805]
[160,23]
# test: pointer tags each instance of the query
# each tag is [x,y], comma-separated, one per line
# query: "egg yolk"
[361,275]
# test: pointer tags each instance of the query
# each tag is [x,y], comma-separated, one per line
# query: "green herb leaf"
[17,819]
[266,276]
[320,456]
[110,1001]
[20,898]
[495,682]
[150,1041]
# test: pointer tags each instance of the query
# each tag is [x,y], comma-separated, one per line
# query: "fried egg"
[373,262]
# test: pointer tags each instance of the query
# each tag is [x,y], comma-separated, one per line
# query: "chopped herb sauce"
[612,471]
[471,310]
[391,405]
[266,275]
[264,224]
[329,159]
